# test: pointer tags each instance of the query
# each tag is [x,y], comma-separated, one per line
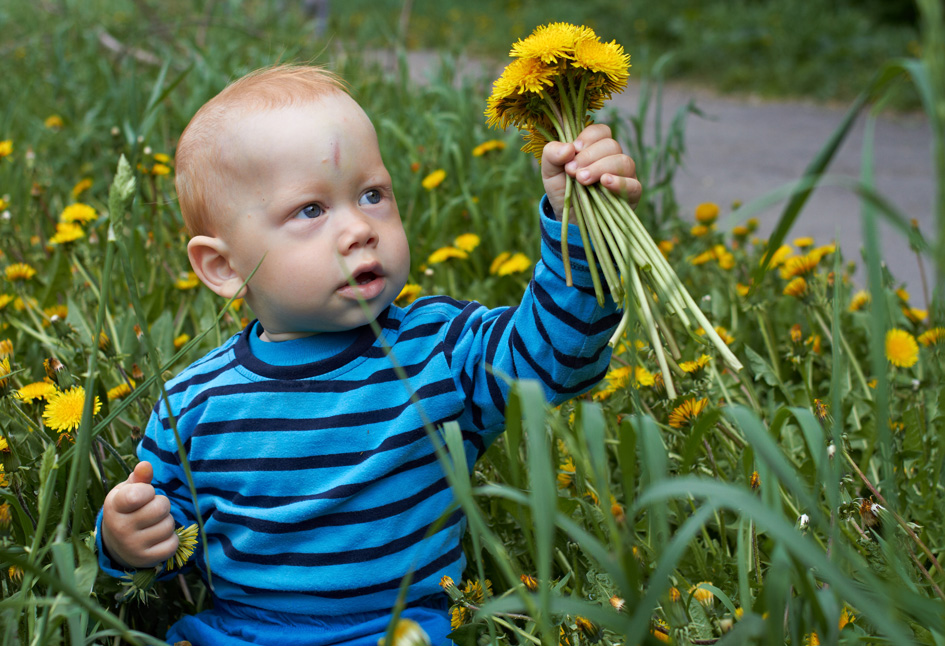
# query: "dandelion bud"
[755,480]
[530,582]
[408,632]
[590,630]
[703,596]
[617,603]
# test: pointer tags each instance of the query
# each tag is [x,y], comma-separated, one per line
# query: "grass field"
[798,500]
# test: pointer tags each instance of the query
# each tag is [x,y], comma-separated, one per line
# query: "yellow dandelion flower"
[754,481]
[665,247]
[186,543]
[78,212]
[6,148]
[530,582]
[723,333]
[796,334]
[408,294]
[704,257]
[81,186]
[551,43]
[64,409]
[799,265]
[903,294]
[488,146]
[687,411]
[780,255]
[528,75]
[803,242]
[859,300]
[6,517]
[692,367]
[814,342]
[707,213]
[162,157]
[66,232]
[19,271]
[53,122]
[812,640]
[6,299]
[914,314]
[932,337]
[796,288]
[160,169]
[5,371]
[434,179]
[643,377]
[36,391]
[60,312]
[467,241]
[535,143]
[445,253]
[726,259]
[6,347]
[121,390]
[516,263]
[181,340]
[589,629]
[4,447]
[901,348]
[566,471]
[742,290]
[608,59]
[187,280]
[477,592]
[16,574]
[702,595]
[660,631]
[740,231]
[699,230]
[459,615]
[846,617]
[4,480]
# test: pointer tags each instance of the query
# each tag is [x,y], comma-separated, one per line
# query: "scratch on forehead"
[335,151]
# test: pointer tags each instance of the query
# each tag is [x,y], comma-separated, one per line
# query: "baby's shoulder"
[213,362]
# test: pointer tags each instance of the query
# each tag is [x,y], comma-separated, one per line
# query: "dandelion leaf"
[467,635]
[700,627]
[760,368]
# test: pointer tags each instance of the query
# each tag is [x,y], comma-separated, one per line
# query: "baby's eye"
[372,196]
[310,212]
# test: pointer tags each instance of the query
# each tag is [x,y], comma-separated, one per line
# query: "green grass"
[606,497]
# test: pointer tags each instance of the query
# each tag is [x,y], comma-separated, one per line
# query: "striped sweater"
[316,480]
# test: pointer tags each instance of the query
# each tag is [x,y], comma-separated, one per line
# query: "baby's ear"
[209,258]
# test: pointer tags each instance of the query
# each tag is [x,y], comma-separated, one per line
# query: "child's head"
[282,170]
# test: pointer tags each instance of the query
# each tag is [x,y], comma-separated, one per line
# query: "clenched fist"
[137,526]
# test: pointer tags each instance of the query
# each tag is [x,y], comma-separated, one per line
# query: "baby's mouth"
[365,277]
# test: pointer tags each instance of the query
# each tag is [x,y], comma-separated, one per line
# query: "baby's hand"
[137,526]
[595,156]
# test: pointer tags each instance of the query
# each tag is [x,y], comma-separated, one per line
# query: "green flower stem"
[848,351]
[599,242]
[651,328]
[565,254]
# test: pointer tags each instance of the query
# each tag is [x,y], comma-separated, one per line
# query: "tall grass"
[806,491]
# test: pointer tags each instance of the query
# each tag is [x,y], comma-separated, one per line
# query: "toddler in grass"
[316,480]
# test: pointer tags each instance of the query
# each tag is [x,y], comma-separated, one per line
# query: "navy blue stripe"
[432,567]
[315,559]
[338,519]
[357,418]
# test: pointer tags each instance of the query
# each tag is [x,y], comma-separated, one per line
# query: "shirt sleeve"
[557,336]
[168,481]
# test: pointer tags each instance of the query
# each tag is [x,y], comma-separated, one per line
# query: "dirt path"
[746,148]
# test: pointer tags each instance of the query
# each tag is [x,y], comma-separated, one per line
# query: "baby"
[316,479]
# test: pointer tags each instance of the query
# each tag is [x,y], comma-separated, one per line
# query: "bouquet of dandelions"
[561,72]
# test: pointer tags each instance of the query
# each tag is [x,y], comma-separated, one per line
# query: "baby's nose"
[358,231]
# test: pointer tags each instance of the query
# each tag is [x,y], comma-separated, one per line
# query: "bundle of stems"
[559,75]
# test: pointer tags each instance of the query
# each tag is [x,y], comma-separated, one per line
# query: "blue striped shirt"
[316,480]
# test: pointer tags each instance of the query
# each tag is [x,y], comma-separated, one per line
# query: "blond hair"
[198,178]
